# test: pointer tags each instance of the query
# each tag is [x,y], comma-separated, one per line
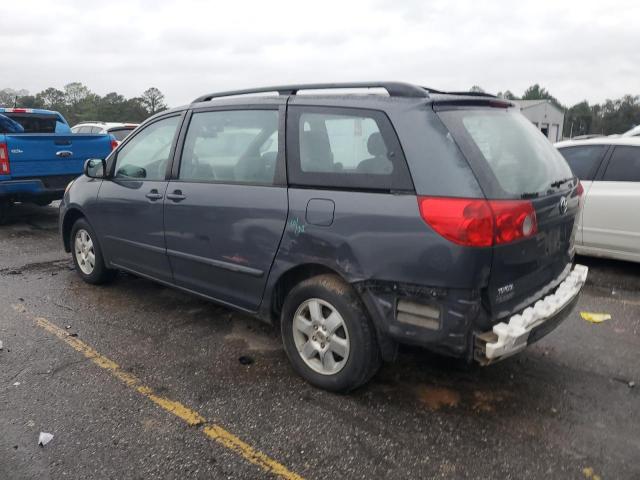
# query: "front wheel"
[328,336]
[87,255]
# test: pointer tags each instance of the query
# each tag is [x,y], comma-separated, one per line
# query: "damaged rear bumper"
[512,336]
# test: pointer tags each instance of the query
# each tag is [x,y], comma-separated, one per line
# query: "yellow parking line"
[191,417]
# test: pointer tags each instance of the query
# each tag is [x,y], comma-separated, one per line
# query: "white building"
[544,115]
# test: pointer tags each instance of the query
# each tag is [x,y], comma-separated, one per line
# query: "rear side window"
[34,123]
[624,165]
[506,151]
[120,133]
[344,148]
[584,160]
[233,146]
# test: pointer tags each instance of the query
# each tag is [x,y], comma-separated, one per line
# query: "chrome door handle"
[154,195]
[176,196]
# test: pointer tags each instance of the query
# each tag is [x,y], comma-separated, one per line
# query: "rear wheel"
[5,205]
[327,335]
[87,255]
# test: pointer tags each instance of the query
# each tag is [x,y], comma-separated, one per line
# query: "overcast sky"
[576,49]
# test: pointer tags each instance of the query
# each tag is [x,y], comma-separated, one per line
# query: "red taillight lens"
[513,220]
[477,222]
[579,189]
[4,160]
[463,221]
[114,144]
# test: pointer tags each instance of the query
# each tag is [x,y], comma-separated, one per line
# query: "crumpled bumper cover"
[513,336]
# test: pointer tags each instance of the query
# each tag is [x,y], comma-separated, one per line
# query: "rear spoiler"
[460,101]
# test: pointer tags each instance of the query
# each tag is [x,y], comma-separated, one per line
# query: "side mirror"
[95,168]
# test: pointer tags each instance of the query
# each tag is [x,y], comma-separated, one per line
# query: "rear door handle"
[154,195]
[176,196]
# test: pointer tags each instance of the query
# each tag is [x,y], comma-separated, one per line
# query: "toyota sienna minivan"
[356,220]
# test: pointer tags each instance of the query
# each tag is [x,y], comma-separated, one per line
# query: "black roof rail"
[394,89]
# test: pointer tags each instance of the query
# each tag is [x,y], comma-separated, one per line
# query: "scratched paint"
[191,417]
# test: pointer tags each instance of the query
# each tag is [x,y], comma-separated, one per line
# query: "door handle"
[154,195]
[176,196]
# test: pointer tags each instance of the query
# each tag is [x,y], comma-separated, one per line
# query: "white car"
[634,132]
[118,130]
[609,169]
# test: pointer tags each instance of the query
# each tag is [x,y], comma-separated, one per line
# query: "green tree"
[153,100]
[536,92]
[476,89]
[52,98]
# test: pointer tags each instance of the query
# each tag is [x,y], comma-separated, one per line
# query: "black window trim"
[607,160]
[279,178]
[112,159]
[401,179]
[595,169]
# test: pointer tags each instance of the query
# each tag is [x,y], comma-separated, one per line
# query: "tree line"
[612,116]
[77,103]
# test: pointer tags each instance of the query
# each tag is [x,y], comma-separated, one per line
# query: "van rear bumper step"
[506,339]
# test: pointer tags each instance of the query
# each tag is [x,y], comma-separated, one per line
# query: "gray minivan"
[356,222]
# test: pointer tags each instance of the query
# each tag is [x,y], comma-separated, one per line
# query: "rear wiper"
[557,183]
[530,195]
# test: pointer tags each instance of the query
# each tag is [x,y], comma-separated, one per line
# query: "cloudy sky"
[578,49]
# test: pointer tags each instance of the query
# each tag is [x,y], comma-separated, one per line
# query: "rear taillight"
[479,223]
[579,188]
[114,144]
[4,160]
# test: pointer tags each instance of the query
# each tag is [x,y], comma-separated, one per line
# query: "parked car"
[120,131]
[39,156]
[355,222]
[609,169]
[634,132]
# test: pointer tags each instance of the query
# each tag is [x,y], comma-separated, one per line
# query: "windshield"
[521,159]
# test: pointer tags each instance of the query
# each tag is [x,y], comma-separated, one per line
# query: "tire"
[5,205]
[315,339]
[85,250]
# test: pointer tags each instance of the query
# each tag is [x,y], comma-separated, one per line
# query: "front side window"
[231,146]
[146,156]
[584,160]
[624,165]
[346,148]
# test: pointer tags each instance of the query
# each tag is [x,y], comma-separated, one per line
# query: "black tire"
[363,359]
[99,274]
[5,205]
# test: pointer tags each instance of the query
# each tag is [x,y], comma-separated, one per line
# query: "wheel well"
[290,279]
[67,224]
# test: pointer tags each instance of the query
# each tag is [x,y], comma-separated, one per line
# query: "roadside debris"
[44,438]
[16,384]
[245,360]
[0,344]
[595,317]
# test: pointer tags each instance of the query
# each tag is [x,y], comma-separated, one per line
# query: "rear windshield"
[520,158]
[34,123]
[121,133]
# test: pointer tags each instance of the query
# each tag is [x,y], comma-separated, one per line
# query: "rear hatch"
[517,166]
[38,151]
[38,155]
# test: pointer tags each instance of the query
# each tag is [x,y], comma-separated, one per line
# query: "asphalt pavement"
[116,372]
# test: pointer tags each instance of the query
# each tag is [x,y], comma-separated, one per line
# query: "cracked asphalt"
[562,409]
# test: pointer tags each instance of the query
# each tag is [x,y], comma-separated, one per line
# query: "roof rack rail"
[394,89]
